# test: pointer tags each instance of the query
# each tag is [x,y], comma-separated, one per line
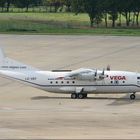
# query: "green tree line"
[98,10]
[110,9]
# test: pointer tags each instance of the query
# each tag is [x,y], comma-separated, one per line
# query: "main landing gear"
[79,95]
[132,96]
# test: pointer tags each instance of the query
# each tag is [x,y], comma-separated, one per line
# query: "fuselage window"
[51,82]
[56,82]
[116,82]
[138,78]
[111,82]
[73,82]
[67,82]
[123,81]
[62,82]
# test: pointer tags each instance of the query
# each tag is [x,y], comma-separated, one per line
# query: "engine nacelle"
[86,77]
[91,77]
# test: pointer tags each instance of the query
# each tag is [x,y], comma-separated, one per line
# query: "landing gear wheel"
[73,96]
[80,96]
[132,96]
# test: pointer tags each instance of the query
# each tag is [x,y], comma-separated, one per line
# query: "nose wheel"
[132,96]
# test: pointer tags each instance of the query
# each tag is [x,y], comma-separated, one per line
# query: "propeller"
[108,68]
[103,73]
[95,75]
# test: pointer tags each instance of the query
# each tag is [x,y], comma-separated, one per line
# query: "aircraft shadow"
[121,102]
[47,97]
[88,98]
[125,100]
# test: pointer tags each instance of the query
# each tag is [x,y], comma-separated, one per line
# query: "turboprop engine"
[86,76]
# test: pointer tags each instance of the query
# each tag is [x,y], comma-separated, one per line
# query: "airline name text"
[117,77]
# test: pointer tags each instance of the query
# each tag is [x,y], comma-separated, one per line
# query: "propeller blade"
[103,73]
[95,75]
[108,68]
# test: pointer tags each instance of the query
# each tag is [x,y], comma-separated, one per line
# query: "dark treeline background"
[98,10]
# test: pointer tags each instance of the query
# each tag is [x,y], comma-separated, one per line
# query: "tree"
[8,3]
[25,3]
[136,11]
[68,4]
[126,8]
[103,6]
[112,6]
[2,4]
[45,3]
[90,7]
[54,4]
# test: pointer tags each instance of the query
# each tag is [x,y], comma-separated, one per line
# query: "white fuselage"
[114,82]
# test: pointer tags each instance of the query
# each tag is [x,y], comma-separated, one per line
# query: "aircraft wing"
[86,74]
[81,74]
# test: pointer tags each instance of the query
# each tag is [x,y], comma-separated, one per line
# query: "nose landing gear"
[132,96]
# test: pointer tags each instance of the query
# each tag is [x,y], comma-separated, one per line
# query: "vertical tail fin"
[10,64]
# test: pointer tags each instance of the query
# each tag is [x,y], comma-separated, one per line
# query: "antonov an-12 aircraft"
[79,83]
